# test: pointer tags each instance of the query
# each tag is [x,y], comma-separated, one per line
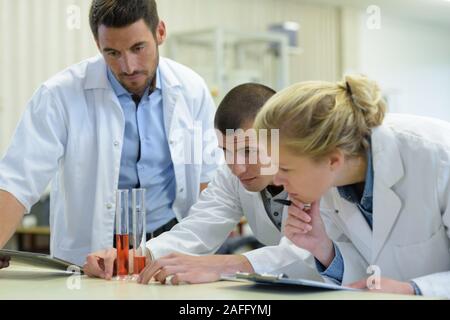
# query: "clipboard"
[40,260]
[283,280]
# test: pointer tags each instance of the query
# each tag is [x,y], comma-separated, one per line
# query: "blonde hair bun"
[366,98]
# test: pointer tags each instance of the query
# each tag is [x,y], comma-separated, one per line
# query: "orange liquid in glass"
[122,244]
[139,264]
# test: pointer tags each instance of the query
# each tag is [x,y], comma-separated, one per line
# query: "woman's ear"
[336,159]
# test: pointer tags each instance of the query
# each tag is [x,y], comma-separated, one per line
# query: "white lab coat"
[71,134]
[411,208]
[219,209]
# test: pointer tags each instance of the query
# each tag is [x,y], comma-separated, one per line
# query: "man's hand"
[101,264]
[11,214]
[385,286]
[182,268]
[4,261]
[306,230]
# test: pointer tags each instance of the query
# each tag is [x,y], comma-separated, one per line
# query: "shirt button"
[116,143]
[276,214]
[109,206]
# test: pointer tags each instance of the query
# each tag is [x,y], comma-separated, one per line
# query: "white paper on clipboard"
[282,280]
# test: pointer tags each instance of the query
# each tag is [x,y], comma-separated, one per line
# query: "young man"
[119,120]
[238,190]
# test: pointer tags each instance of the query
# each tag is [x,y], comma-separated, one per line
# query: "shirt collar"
[282,195]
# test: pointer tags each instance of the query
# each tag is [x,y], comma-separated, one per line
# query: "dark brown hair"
[241,105]
[122,13]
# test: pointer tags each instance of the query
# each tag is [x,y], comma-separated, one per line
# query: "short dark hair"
[240,105]
[122,13]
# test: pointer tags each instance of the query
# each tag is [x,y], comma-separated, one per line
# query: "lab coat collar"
[171,92]
[387,160]
[168,78]
[96,74]
[388,169]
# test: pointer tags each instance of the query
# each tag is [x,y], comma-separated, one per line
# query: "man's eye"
[284,169]
[113,54]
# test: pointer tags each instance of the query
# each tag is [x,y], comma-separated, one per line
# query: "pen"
[289,202]
[283,202]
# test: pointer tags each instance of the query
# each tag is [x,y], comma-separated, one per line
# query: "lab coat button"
[109,206]
[181,190]
[116,143]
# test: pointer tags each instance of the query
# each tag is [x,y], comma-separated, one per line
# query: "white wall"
[35,43]
[411,61]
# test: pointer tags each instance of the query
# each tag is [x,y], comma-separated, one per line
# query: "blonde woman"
[379,186]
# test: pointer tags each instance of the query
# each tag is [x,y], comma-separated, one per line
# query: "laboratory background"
[402,44]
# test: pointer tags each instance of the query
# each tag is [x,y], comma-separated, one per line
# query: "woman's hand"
[305,228]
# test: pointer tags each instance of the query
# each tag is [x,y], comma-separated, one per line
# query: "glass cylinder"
[138,231]
[122,233]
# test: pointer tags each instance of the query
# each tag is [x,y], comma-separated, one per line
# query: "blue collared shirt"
[146,161]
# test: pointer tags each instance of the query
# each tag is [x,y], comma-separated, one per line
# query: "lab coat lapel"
[265,229]
[170,100]
[352,221]
[388,170]
[170,88]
